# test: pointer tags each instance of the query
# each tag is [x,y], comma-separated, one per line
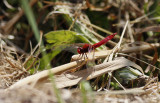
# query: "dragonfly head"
[80,50]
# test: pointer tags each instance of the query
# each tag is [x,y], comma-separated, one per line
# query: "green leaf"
[64,37]
[81,28]
[58,39]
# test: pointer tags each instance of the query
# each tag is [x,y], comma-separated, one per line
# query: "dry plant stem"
[130,49]
[104,53]
[133,91]
[139,60]
[129,27]
[96,34]
[149,88]
[119,83]
[14,47]
[140,19]
[98,54]
[7,28]
[73,22]
[98,70]
[130,33]
[135,6]
[103,30]
[120,41]
[140,48]
[8,5]
[113,65]
[97,27]
[100,37]
[146,29]
[119,15]
[150,57]
[149,82]
[13,66]
[32,52]
[44,74]
[70,79]
[117,47]
[77,15]
[127,91]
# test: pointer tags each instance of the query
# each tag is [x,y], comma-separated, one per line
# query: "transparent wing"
[67,47]
[90,54]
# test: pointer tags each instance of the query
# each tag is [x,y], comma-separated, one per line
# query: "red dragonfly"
[88,47]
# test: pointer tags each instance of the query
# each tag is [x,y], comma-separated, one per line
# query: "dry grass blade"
[150,28]
[139,48]
[134,91]
[98,54]
[150,57]
[117,47]
[99,28]
[11,70]
[70,79]
[73,78]
[120,41]
[104,53]
[127,91]
[39,77]
[32,52]
[111,66]
[139,60]
[12,46]
[137,20]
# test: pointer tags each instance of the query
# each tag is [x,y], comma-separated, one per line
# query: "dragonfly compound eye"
[79,50]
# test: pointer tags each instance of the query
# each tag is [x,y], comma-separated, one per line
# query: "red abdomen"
[104,41]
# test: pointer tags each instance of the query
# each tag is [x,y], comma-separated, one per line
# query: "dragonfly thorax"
[84,49]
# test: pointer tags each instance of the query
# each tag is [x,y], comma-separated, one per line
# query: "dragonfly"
[88,47]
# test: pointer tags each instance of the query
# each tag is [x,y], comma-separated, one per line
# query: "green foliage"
[30,17]
[32,22]
[45,61]
[86,89]
[156,7]
[81,29]
[125,75]
[63,37]
[58,41]
[115,85]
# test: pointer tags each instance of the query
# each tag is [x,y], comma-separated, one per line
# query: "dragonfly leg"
[85,55]
[79,57]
